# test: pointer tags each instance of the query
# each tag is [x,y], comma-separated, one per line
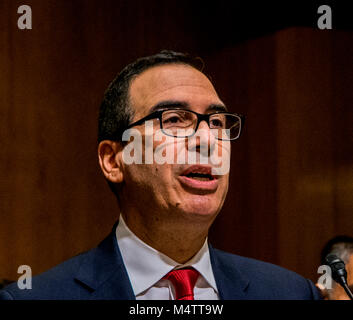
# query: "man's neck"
[179,242]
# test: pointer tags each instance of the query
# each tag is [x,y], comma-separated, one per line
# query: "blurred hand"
[323,291]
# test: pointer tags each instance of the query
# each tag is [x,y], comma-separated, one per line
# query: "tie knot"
[183,281]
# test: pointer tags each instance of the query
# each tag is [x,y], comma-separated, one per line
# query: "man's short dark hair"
[341,246]
[115,112]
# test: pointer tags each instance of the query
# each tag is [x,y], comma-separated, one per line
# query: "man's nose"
[203,140]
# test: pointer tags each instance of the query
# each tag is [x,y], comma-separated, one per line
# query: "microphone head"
[339,273]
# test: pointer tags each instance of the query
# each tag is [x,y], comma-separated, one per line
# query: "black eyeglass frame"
[200,117]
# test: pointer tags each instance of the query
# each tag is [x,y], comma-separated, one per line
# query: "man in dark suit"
[170,180]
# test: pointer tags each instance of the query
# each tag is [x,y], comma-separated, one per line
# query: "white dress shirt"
[146,267]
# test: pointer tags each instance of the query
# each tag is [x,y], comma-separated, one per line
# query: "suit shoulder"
[251,264]
[262,276]
[50,284]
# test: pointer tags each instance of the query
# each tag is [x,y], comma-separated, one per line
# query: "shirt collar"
[146,266]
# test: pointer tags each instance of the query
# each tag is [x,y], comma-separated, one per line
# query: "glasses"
[181,123]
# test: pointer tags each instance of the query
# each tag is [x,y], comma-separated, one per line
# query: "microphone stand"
[339,273]
[348,291]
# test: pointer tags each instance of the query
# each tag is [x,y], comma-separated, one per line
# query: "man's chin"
[200,210]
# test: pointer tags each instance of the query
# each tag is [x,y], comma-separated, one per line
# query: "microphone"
[339,273]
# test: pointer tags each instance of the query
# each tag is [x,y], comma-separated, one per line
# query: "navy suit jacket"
[100,274]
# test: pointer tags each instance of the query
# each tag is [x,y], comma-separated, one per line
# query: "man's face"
[166,190]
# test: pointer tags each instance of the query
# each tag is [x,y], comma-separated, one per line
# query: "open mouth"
[199,178]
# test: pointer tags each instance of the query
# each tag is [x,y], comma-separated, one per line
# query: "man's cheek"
[138,174]
[164,151]
[220,158]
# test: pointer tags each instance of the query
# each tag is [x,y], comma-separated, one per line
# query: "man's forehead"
[170,81]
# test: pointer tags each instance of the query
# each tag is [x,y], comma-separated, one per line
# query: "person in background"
[342,247]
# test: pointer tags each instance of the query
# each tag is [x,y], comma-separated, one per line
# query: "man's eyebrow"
[217,107]
[182,104]
[169,104]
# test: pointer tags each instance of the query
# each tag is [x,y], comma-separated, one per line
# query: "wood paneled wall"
[292,170]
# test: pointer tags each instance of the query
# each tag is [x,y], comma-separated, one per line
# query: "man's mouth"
[199,178]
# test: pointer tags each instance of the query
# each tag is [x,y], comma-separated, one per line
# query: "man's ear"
[110,156]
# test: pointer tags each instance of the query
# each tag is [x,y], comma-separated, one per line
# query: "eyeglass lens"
[182,123]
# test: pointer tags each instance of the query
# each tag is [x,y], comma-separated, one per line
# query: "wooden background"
[292,170]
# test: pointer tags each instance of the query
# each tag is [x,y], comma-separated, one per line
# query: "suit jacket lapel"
[230,281]
[104,275]
[103,272]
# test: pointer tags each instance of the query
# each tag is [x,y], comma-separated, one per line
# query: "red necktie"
[183,281]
